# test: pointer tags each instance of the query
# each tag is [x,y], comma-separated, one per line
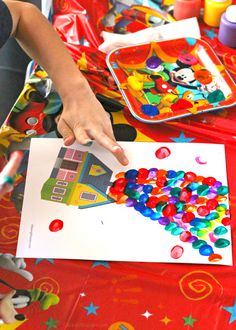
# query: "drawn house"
[78,178]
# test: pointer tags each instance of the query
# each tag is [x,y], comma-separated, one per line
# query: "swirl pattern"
[198,285]
[47,284]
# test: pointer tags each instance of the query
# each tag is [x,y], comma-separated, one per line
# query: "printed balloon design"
[185,204]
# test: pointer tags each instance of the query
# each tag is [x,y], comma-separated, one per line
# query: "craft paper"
[66,213]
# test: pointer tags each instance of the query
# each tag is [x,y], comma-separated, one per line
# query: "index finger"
[112,146]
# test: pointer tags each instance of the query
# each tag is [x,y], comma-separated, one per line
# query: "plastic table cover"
[68,294]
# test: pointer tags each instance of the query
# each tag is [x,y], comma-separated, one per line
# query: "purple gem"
[193,199]
[153,62]
[173,199]
[217,184]
[179,215]
[192,239]
[130,202]
[163,221]
[152,173]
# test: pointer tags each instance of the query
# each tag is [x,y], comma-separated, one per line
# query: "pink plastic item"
[186,9]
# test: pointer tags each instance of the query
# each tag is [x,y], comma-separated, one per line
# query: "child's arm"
[83,118]
[8,173]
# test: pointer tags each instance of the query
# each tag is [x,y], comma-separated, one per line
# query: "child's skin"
[10,171]
[83,118]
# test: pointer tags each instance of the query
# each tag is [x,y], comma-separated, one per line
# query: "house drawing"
[78,178]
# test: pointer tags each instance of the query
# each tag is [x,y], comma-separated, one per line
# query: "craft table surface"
[104,295]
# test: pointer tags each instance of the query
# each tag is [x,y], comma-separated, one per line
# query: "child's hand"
[83,119]
[8,173]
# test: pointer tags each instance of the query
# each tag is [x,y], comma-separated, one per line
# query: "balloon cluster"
[187,205]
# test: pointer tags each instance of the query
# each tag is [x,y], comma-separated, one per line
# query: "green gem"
[202,232]
[152,98]
[220,209]
[170,226]
[180,206]
[171,182]
[213,216]
[175,191]
[208,224]
[160,206]
[222,243]
[132,193]
[221,230]
[180,174]
[176,231]
[222,190]
[203,190]
[193,230]
[197,244]
[216,96]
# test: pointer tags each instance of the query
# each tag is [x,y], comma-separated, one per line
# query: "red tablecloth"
[117,295]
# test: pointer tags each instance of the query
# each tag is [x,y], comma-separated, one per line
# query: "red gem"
[56,225]
[185,236]
[181,104]
[185,195]
[169,210]
[210,181]
[113,191]
[212,204]
[187,217]
[162,152]
[152,202]
[143,173]
[160,182]
[225,221]
[177,252]
[203,211]
[120,181]
[190,176]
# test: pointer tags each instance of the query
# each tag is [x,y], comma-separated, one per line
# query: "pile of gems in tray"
[186,205]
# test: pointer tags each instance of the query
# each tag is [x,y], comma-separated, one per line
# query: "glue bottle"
[213,9]
[227,30]
[186,9]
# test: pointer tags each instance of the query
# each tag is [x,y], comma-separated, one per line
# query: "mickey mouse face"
[183,76]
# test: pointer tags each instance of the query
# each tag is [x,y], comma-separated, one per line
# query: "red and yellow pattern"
[104,295]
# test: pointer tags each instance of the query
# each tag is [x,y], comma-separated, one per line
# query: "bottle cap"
[230,14]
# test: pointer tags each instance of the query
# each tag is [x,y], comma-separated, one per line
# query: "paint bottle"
[213,9]
[186,9]
[227,30]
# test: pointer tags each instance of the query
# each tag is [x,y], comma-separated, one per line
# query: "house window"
[56,198]
[62,183]
[69,165]
[88,196]
[96,170]
[78,155]
[59,191]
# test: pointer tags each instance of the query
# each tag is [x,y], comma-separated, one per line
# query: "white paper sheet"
[112,231]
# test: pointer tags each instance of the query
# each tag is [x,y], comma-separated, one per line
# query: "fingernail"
[68,140]
[17,154]
[117,148]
